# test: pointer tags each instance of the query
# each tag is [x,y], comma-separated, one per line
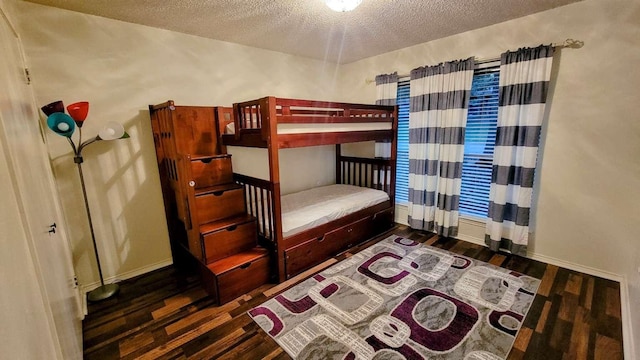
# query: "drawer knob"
[192,183]
[232,227]
[244,266]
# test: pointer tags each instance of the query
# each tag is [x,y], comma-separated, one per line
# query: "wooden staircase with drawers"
[205,209]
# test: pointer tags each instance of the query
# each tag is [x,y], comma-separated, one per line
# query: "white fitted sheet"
[309,208]
[284,129]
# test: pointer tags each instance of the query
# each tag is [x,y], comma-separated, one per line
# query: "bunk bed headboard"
[253,121]
[376,173]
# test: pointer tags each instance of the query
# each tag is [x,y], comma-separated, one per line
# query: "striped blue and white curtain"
[386,94]
[437,119]
[524,83]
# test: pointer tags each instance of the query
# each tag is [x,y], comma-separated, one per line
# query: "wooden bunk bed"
[274,124]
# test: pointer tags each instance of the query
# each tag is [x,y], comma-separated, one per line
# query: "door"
[29,166]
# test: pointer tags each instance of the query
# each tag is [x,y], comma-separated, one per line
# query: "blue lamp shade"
[61,123]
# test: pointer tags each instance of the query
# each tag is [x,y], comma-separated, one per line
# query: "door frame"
[56,206]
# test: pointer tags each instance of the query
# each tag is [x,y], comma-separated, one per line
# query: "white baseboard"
[577,267]
[627,328]
[471,239]
[85,288]
[557,262]
[625,303]
[544,258]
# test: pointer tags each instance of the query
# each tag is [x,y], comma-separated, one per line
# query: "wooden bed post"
[338,164]
[268,108]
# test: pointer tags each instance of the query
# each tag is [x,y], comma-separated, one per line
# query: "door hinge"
[27,76]
[74,282]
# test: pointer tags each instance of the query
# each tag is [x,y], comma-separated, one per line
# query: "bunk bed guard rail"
[363,172]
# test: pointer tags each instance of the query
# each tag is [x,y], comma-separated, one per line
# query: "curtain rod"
[568,43]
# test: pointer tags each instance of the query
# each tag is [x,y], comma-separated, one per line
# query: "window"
[480,136]
[402,159]
[479,141]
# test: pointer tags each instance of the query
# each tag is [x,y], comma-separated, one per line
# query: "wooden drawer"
[211,171]
[308,254]
[382,221]
[228,241]
[220,204]
[350,235]
[315,251]
[239,274]
[243,279]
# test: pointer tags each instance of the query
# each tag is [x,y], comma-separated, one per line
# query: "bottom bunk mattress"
[309,208]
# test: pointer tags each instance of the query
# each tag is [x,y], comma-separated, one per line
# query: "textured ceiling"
[308,27]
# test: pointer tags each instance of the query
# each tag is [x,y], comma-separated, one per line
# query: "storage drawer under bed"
[314,251]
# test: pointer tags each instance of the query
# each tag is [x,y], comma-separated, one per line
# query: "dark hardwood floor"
[165,314]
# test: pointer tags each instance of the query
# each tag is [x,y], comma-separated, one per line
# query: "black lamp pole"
[103,291]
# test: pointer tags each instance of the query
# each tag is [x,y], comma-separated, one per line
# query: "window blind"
[479,143]
[402,160]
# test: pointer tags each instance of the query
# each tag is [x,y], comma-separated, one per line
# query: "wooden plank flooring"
[166,315]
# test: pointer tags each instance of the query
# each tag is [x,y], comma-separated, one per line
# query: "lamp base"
[103,292]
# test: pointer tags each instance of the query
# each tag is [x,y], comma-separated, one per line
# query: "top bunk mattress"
[310,208]
[285,129]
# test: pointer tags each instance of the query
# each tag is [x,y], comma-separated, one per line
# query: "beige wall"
[588,202]
[120,69]
[588,211]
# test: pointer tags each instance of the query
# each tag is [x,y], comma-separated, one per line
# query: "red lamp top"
[78,111]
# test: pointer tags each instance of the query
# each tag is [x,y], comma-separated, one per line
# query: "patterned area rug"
[401,299]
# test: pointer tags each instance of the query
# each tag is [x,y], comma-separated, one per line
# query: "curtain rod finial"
[574,44]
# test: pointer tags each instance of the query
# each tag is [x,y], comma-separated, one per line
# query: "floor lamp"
[64,125]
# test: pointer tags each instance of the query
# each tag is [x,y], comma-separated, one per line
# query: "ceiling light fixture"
[342,5]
